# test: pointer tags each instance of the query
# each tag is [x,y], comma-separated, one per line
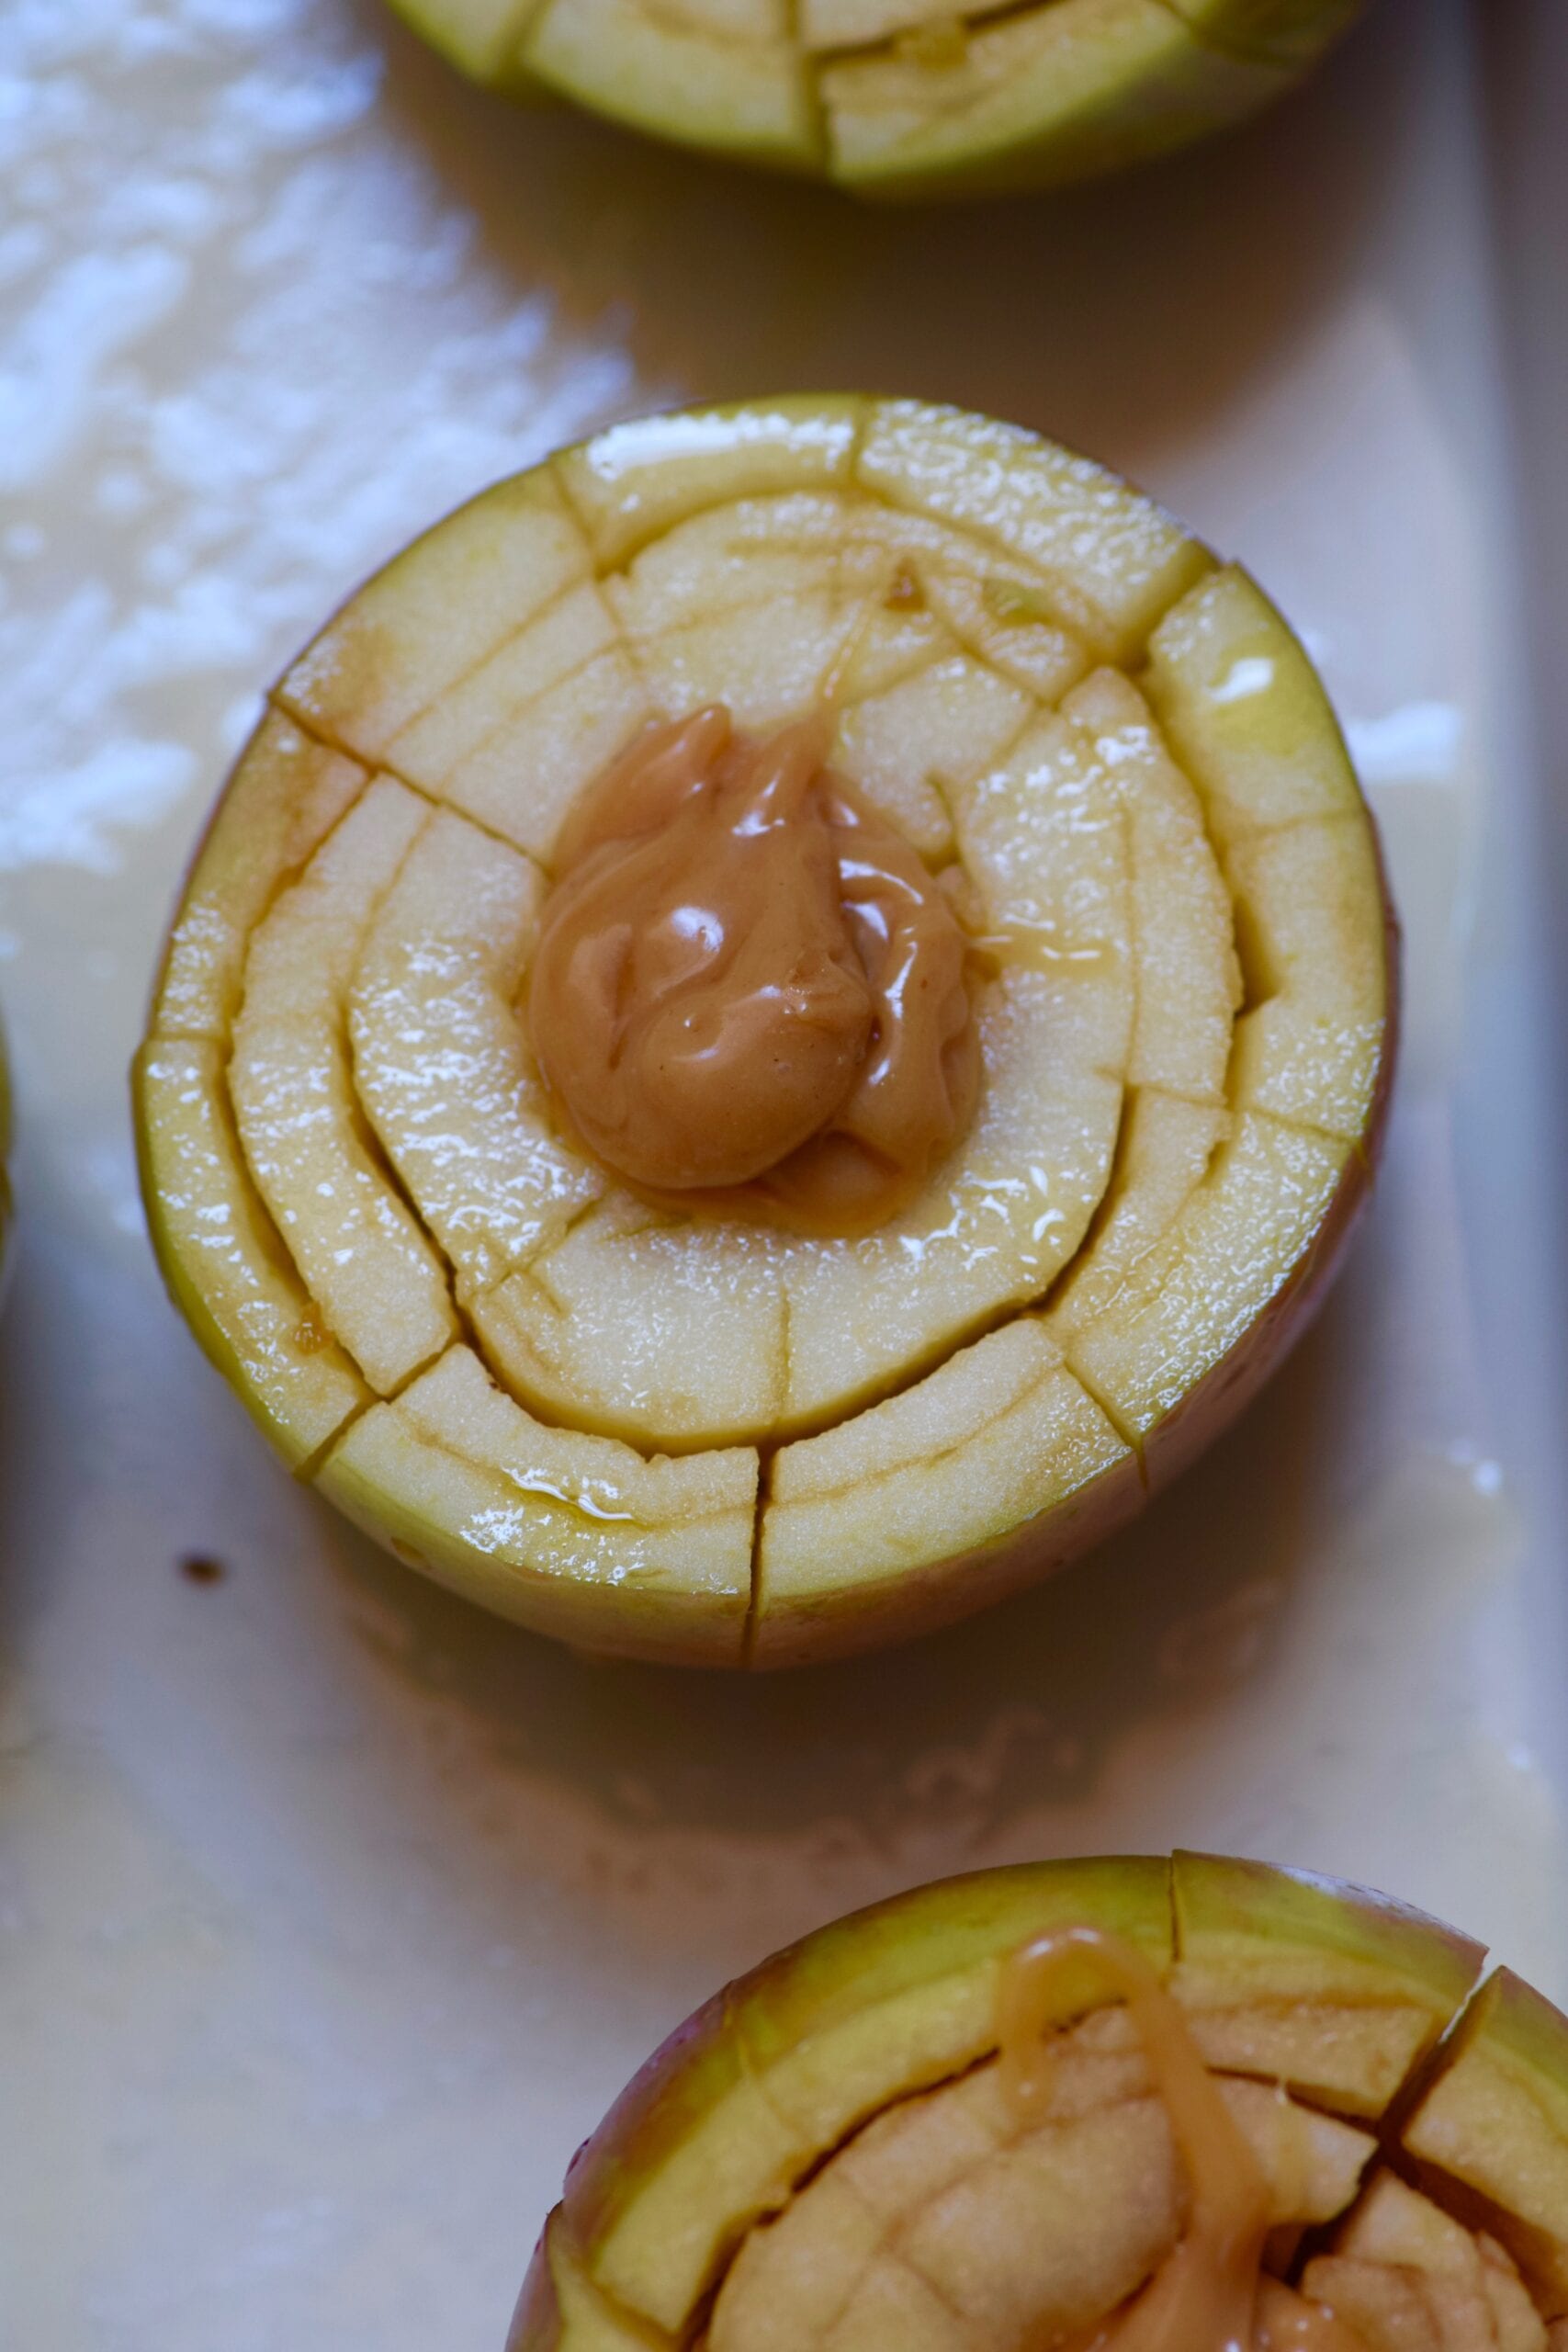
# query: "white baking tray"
[331,1912]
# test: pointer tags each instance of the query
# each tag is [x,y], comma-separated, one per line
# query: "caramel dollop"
[1211,2293]
[748,990]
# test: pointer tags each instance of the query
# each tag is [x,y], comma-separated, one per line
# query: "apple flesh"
[1407,2277]
[442,1064]
[1495,2122]
[1115,752]
[377,1283]
[223,1258]
[820,2155]
[900,98]
[576,1535]
[942,2225]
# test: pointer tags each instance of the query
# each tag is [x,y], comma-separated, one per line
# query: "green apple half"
[819,2157]
[900,98]
[677,1437]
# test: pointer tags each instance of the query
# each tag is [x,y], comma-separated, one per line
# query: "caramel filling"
[1211,2293]
[748,993]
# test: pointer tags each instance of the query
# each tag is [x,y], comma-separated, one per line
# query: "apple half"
[824,2155]
[900,98]
[676,1436]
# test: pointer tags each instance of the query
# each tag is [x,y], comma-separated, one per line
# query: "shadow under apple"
[1152,294]
[1012,1710]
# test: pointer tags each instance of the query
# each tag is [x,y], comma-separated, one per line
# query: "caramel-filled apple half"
[901,98]
[1120,2104]
[782,1017]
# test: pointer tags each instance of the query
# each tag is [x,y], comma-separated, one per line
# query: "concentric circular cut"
[871,2144]
[900,98]
[692,1436]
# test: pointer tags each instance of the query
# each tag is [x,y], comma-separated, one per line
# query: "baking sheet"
[331,1912]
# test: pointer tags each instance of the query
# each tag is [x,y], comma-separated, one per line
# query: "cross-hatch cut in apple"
[657,1430]
[900,98]
[1305,2120]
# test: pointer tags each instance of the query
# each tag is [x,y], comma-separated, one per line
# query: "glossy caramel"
[748,993]
[1211,2293]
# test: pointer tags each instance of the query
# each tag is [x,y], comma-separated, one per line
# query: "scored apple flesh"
[825,2154]
[899,98]
[365,1258]
[1496,2119]
[945,2223]
[1115,756]
[443,1065]
[576,1535]
[1406,2277]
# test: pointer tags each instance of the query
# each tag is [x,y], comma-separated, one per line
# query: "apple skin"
[1244,1929]
[281,795]
[925,1599]
[929,1959]
[298,1398]
[1291,32]
[1230,1387]
[1221,62]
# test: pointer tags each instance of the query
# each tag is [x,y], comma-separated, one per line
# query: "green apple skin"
[281,797]
[298,1394]
[1142,81]
[901,1997]
[1288,32]
[1253,1941]
[1230,1387]
[1305,756]
[478,39]
[911,1603]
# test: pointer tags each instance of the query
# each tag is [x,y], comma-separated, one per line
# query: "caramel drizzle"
[749,995]
[1211,2293]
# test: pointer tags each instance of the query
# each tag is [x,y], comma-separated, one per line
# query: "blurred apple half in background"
[900,98]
